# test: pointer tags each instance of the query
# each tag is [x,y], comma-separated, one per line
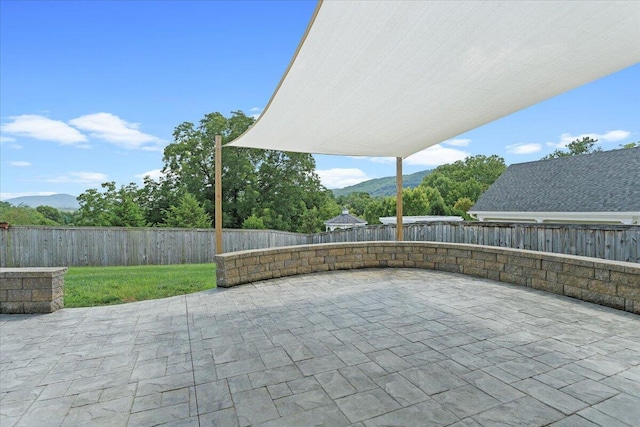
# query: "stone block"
[534,273]
[426,265]
[427,250]
[474,271]
[459,253]
[265,259]
[579,270]
[625,278]
[470,262]
[552,266]
[630,292]
[608,300]
[42,295]
[7,307]
[16,295]
[544,285]
[571,280]
[38,307]
[494,266]
[572,291]
[10,283]
[493,274]
[282,256]
[601,287]
[450,267]
[513,269]
[485,256]
[602,274]
[524,261]
[513,278]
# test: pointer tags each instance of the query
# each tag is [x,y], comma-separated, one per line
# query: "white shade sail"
[390,78]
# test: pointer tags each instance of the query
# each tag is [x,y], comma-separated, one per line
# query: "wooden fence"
[613,242]
[35,246]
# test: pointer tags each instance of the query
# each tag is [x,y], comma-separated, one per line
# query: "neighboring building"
[386,220]
[600,187]
[344,220]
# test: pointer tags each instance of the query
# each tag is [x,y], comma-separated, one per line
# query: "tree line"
[262,189]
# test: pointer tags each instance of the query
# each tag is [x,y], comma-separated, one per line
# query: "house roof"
[390,78]
[345,218]
[608,181]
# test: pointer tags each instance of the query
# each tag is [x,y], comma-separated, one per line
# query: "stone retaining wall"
[610,283]
[31,290]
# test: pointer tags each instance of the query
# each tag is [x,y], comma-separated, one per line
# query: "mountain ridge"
[385,186]
[58,201]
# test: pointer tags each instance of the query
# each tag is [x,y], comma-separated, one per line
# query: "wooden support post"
[399,228]
[218,191]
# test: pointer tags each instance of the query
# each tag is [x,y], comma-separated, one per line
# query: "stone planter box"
[31,290]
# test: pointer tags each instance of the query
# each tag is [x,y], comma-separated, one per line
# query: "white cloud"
[339,178]
[79,178]
[436,156]
[5,196]
[20,164]
[610,136]
[524,148]
[458,142]
[255,109]
[154,174]
[111,128]
[4,139]
[43,128]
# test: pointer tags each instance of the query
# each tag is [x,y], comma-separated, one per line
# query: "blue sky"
[91,92]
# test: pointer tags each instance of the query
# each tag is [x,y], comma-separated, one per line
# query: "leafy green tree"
[356,202]
[188,214]
[631,145]
[576,147]
[467,178]
[463,204]
[414,202]
[156,197]
[437,206]
[379,207]
[253,222]
[111,207]
[22,215]
[52,213]
[278,187]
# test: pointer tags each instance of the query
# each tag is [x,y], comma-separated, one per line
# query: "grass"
[93,286]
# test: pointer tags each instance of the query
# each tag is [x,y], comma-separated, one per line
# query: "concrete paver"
[362,348]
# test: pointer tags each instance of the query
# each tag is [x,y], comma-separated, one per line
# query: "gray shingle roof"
[600,182]
[344,219]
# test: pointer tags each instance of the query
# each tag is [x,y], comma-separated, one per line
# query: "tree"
[188,214]
[465,178]
[414,202]
[576,147]
[52,213]
[111,207]
[253,223]
[631,145]
[22,215]
[356,202]
[463,204]
[275,186]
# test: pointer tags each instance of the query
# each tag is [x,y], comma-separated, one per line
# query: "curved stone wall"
[610,283]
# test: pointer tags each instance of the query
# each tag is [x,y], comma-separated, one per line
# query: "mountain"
[383,186]
[63,202]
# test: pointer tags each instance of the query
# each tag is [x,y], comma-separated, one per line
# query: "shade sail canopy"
[392,78]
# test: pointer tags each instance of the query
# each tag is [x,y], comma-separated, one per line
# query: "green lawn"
[92,286]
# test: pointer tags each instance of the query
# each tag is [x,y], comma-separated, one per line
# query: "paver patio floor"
[392,347]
